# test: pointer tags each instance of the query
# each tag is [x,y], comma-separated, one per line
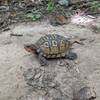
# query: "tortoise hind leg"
[42,59]
[71,55]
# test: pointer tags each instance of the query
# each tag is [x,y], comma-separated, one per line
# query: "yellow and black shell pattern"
[53,45]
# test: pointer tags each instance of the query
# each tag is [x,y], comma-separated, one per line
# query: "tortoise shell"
[53,45]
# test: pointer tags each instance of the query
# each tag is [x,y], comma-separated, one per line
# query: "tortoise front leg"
[42,59]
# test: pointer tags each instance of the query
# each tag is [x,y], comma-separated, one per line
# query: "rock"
[53,84]
[29,74]
[55,93]
[37,76]
[85,93]
[63,2]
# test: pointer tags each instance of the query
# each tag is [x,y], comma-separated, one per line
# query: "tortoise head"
[30,48]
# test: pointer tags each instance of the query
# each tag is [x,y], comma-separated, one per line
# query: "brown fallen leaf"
[58,19]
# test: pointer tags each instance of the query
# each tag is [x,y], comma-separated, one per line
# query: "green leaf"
[38,16]
[34,19]
[50,5]
[29,15]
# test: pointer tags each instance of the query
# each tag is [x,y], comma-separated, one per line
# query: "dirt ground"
[13,59]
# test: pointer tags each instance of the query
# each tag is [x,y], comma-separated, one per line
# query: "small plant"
[34,15]
[50,5]
[95,5]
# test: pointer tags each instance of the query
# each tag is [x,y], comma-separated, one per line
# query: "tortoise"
[51,46]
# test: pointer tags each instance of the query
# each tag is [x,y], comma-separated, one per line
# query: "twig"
[15,34]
